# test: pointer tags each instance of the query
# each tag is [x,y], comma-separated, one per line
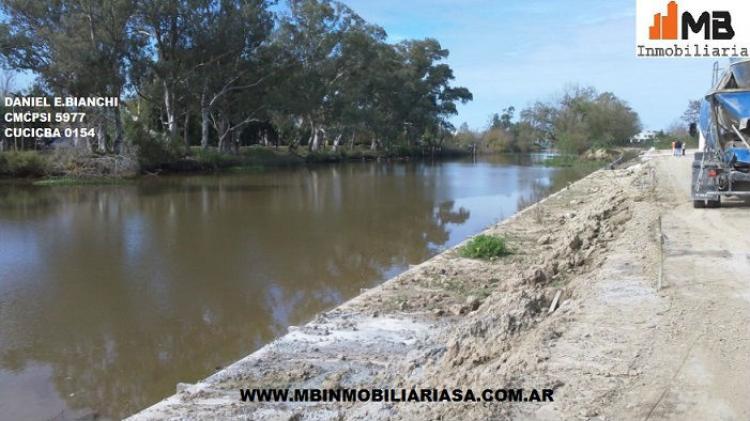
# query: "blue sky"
[514,52]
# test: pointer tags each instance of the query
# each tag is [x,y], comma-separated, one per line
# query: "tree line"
[223,73]
[579,119]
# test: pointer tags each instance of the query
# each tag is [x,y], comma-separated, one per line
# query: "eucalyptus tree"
[426,98]
[162,74]
[6,90]
[384,113]
[355,98]
[312,32]
[229,42]
[75,47]
[314,69]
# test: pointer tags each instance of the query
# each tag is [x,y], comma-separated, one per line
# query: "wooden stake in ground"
[553,306]
[661,255]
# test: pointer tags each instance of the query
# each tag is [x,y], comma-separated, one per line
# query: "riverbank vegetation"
[579,120]
[485,247]
[207,85]
[23,164]
[80,181]
[74,164]
[202,80]
[570,161]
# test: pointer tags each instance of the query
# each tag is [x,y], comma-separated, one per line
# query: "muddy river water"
[110,295]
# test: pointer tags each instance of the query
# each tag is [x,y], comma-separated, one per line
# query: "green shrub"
[360,154]
[485,247]
[152,151]
[23,164]
[323,156]
[562,161]
[401,151]
[154,154]
[265,157]
[214,159]
[250,158]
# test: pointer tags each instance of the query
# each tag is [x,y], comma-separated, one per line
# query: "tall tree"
[76,47]
[583,118]
[312,33]
[313,70]
[228,42]
[692,113]
[162,74]
[6,90]
[427,99]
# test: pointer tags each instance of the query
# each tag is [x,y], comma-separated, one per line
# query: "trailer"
[721,167]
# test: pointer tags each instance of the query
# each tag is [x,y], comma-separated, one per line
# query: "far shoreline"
[69,167]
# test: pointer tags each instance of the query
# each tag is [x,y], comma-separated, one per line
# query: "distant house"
[644,136]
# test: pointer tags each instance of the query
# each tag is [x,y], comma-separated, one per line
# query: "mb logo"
[716,25]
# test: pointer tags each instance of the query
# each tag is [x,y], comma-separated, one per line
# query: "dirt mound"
[600,154]
[458,322]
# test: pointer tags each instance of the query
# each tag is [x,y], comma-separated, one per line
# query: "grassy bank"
[250,158]
[23,164]
[573,161]
[70,168]
[67,167]
[78,181]
[258,158]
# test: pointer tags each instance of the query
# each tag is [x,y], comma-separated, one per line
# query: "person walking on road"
[678,148]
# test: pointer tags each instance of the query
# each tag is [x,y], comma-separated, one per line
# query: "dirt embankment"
[612,347]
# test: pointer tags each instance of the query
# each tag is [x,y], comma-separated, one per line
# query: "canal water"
[110,295]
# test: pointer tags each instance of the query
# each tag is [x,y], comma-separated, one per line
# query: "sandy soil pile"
[568,245]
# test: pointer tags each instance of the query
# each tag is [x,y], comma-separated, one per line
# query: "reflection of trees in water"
[139,287]
[445,215]
[541,188]
[24,200]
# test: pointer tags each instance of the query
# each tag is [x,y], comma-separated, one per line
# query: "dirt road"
[699,364]
[614,348]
